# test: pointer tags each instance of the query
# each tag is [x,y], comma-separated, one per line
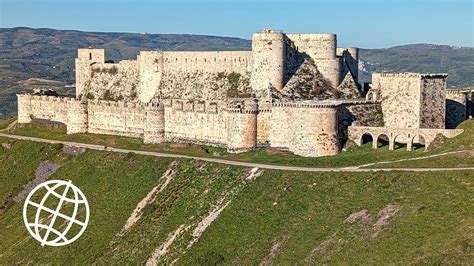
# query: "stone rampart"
[212,62]
[116,118]
[68,111]
[203,122]
[305,129]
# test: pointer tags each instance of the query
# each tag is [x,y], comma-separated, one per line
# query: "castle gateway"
[293,91]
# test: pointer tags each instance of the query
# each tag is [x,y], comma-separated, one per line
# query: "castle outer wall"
[306,129]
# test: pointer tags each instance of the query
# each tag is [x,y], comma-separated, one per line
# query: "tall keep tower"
[269,66]
[86,58]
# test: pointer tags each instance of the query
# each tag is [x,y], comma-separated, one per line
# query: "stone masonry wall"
[116,118]
[63,110]
[433,102]
[264,124]
[456,108]
[211,62]
[400,95]
[305,129]
[322,49]
[358,114]
[203,122]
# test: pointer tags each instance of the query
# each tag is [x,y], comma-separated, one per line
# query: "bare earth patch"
[204,223]
[384,217]
[273,252]
[324,246]
[43,172]
[72,150]
[252,173]
[463,155]
[362,216]
[163,248]
[150,197]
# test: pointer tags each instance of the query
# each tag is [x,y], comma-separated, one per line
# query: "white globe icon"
[59,215]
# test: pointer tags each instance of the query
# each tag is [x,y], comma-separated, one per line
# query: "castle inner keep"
[297,92]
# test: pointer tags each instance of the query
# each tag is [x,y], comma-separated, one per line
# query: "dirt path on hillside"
[151,196]
[10,126]
[351,169]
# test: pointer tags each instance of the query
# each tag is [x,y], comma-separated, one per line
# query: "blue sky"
[363,23]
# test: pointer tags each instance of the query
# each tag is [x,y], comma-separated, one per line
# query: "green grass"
[4,123]
[301,210]
[352,157]
[19,164]
[463,142]
[112,183]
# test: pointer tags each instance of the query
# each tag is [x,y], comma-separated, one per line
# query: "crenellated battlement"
[305,105]
[411,75]
[201,106]
[46,98]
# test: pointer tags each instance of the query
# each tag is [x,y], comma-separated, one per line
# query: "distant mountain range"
[457,61]
[49,54]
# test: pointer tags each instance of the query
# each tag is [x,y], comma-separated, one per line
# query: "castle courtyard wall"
[212,62]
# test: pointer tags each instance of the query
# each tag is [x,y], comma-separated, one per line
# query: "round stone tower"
[242,126]
[322,49]
[154,123]
[77,116]
[268,52]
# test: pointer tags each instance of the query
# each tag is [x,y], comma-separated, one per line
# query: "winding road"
[353,169]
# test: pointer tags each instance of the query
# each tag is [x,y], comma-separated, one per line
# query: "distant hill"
[49,54]
[458,62]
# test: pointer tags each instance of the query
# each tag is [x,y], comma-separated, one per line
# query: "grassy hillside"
[356,156]
[208,213]
[353,157]
[425,58]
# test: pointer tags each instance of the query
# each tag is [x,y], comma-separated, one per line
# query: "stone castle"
[298,92]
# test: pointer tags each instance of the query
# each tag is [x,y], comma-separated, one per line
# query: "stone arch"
[383,139]
[401,141]
[418,141]
[366,137]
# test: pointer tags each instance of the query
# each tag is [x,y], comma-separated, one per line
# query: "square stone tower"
[85,59]
[411,100]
